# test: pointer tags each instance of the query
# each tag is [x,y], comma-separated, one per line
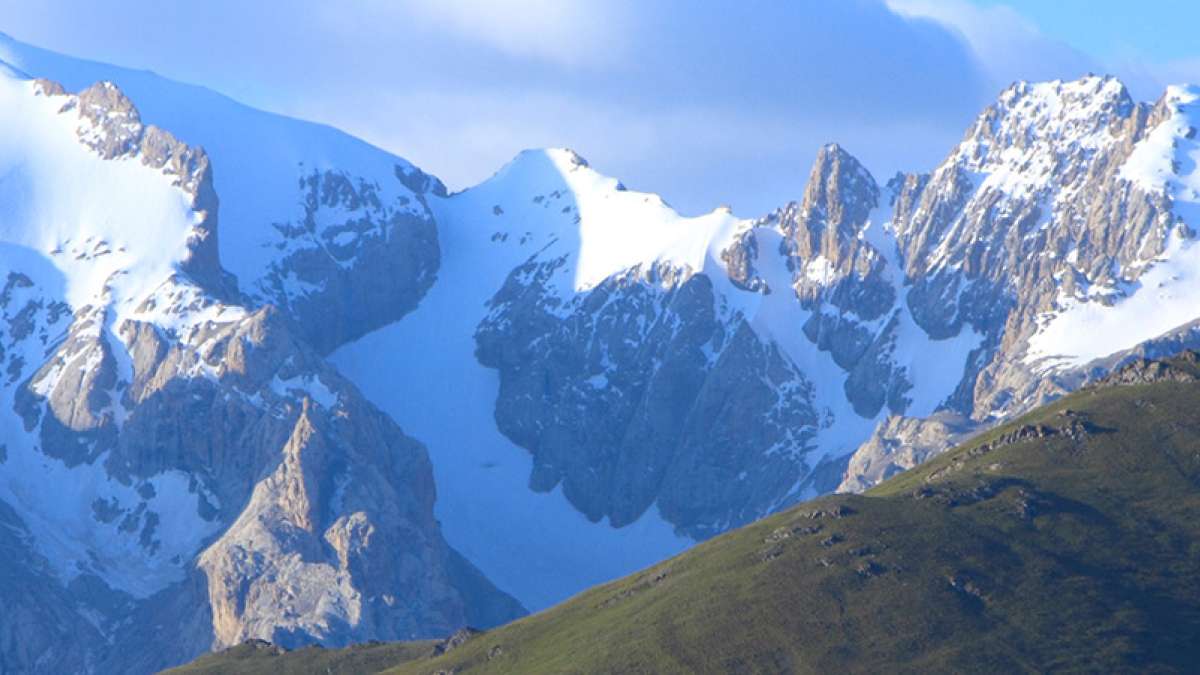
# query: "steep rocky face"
[639,392]
[181,469]
[822,238]
[337,544]
[838,251]
[360,256]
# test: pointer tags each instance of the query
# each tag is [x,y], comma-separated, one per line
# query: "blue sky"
[707,103]
[1162,30]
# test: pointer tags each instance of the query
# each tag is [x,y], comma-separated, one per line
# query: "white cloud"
[1010,47]
[1007,46]
[565,32]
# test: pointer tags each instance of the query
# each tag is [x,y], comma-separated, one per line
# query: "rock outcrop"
[902,443]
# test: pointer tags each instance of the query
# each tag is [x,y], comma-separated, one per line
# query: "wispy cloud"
[1009,47]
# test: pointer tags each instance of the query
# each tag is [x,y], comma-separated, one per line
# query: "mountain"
[180,466]
[266,381]
[1062,540]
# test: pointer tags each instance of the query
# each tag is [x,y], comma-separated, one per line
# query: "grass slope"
[1067,540]
[261,658]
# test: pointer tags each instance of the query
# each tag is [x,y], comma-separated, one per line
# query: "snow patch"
[603,228]
[310,385]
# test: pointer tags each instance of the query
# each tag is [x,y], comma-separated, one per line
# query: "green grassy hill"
[1067,540]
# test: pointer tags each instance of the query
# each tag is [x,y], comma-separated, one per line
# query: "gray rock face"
[639,391]
[1051,214]
[831,263]
[1143,371]
[841,277]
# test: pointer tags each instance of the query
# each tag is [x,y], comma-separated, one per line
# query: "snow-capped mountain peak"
[555,198]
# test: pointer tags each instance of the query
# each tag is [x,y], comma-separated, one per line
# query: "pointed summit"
[840,193]
[837,200]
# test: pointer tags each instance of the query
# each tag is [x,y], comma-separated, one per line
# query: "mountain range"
[1064,540]
[265,381]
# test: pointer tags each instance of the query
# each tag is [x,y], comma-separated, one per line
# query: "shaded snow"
[56,504]
[933,367]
